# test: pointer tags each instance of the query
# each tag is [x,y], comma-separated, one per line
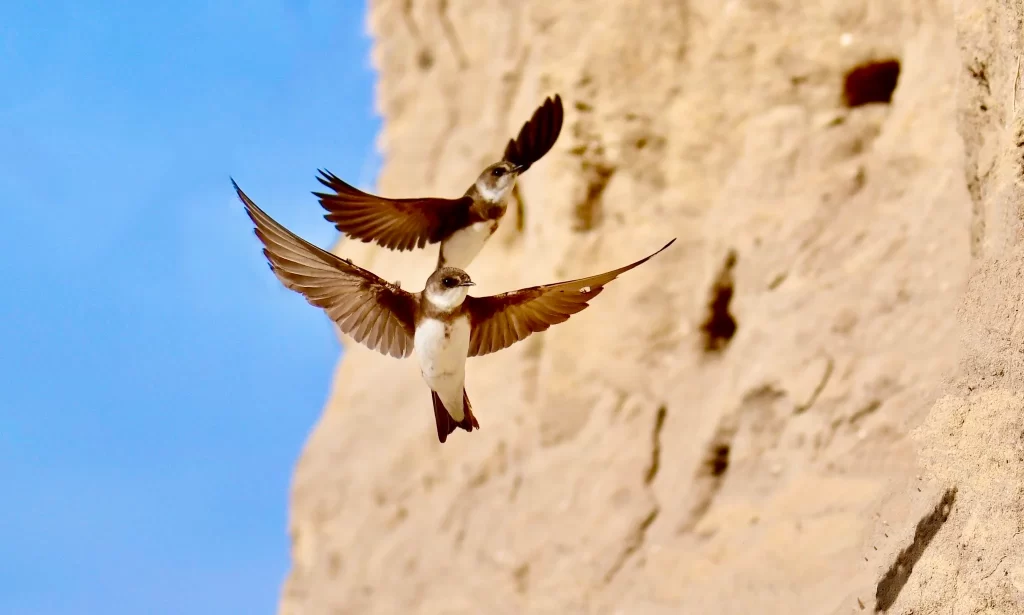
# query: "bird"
[462,225]
[442,324]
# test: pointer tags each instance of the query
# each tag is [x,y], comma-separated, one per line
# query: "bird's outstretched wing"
[407,224]
[396,224]
[501,320]
[537,135]
[377,314]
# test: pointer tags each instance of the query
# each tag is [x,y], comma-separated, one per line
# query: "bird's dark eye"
[498,172]
[448,282]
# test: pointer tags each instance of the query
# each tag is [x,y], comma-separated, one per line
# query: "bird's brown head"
[496,182]
[447,287]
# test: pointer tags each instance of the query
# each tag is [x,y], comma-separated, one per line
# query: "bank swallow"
[442,324]
[462,225]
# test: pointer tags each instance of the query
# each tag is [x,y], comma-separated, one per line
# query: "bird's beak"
[468,283]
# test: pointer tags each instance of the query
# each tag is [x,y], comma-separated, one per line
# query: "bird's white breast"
[461,248]
[441,349]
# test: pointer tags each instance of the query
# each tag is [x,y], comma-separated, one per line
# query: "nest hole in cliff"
[720,326]
[871,82]
[718,461]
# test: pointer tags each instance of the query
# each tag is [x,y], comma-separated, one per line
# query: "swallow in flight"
[441,324]
[462,225]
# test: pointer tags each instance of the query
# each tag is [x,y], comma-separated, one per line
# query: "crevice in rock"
[517,483]
[979,72]
[635,541]
[865,412]
[977,212]
[659,423]
[1013,101]
[409,21]
[711,474]
[424,57]
[450,35]
[720,326]
[995,568]
[1020,145]
[829,367]
[590,210]
[521,576]
[517,196]
[633,544]
[889,587]
[871,82]
[595,168]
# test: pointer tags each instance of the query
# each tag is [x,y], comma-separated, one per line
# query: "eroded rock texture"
[973,439]
[728,428]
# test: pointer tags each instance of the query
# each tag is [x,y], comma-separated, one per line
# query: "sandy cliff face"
[967,553]
[731,427]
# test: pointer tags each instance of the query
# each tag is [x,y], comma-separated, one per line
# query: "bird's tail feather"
[445,423]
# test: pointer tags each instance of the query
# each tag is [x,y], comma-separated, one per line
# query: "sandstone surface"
[811,403]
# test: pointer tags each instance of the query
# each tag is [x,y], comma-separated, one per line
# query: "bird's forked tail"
[445,423]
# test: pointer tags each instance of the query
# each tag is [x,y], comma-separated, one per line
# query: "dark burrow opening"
[871,82]
[719,327]
[718,461]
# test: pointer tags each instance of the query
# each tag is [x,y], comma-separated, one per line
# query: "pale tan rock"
[621,466]
[973,438]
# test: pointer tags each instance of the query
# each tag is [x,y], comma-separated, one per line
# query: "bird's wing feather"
[537,135]
[375,313]
[396,224]
[499,321]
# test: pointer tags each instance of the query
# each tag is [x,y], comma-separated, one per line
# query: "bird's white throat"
[447,299]
[494,194]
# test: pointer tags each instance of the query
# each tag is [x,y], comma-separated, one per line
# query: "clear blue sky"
[158,383]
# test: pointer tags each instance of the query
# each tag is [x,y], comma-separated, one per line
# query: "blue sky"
[158,382]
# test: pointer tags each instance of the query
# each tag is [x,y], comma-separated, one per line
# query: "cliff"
[811,403]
